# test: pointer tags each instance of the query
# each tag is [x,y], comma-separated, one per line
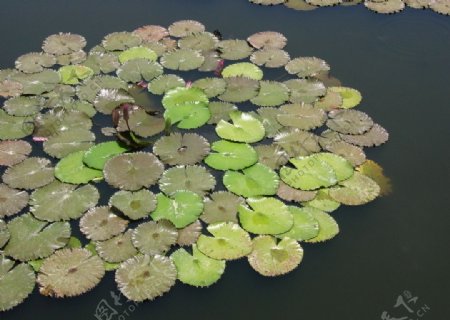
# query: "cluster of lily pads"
[379,6]
[263,165]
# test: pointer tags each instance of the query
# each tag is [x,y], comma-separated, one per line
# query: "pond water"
[401,64]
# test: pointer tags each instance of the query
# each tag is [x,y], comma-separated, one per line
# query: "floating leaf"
[271,93]
[270,58]
[90,88]
[10,88]
[267,40]
[328,228]
[302,116]
[201,41]
[182,208]
[231,155]
[35,62]
[221,207]
[97,156]
[234,49]
[212,87]
[137,70]
[37,83]
[30,174]
[305,225]
[70,272]
[12,201]
[164,83]
[229,242]
[102,62]
[243,69]
[154,237]
[387,7]
[245,128]
[133,171]
[357,190]
[349,121]
[100,223]
[271,156]
[23,106]
[374,171]
[212,61]
[197,269]
[323,201]
[141,123]
[301,5]
[331,100]
[182,59]
[268,117]
[4,234]
[193,178]
[120,41]
[220,111]
[324,3]
[257,180]
[353,154]
[182,96]
[265,216]
[288,193]
[376,136]
[307,66]
[189,235]
[151,33]
[59,120]
[59,201]
[297,142]
[32,239]
[350,97]
[63,43]
[137,53]
[73,74]
[16,283]
[440,6]
[239,89]
[116,249]
[68,142]
[303,90]
[135,205]
[176,148]
[270,258]
[71,169]
[73,58]
[146,277]
[12,127]
[13,152]
[184,28]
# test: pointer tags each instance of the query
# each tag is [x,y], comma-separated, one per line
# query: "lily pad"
[323,201]
[13,152]
[268,117]
[302,116]
[16,283]
[201,41]
[141,123]
[350,97]
[268,40]
[154,237]
[243,69]
[386,7]
[10,88]
[176,148]
[228,242]
[257,180]
[374,171]
[220,111]
[146,277]
[270,258]
[184,28]
[288,193]
[116,249]
[63,43]
[189,235]
[181,208]
[12,127]
[305,225]
[102,62]
[231,156]
[357,190]
[133,171]
[135,205]
[23,106]
[212,87]
[34,62]
[270,58]
[182,59]
[4,234]
[71,169]
[67,142]
[120,41]
[151,33]
[32,239]
[234,49]
[192,178]
[69,272]
[239,89]
[100,223]
[12,201]
[73,74]
[304,90]
[245,128]
[37,83]
[164,83]
[272,156]
[377,135]
[97,156]
[137,70]
[59,201]
[328,227]
[307,66]
[349,121]
[265,216]
[296,142]
[137,53]
[271,93]
[30,174]
[197,269]
[222,206]
[59,120]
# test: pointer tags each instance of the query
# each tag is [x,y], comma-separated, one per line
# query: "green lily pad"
[239,89]
[154,237]
[137,70]
[4,234]
[181,208]
[192,178]
[302,116]
[71,169]
[357,190]
[137,53]
[305,90]
[16,283]
[271,93]
[245,128]
[67,142]
[73,74]
[234,49]
[188,116]
[305,225]
[133,171]
[59,120]
[31,239]
[34,62]
[231,156]
[135,205]
[265,216]
[350,97]
[182,96]
[257,180]
[197,269]
[12,127]
[328,228]
[229,242]
[201,41]
[30,174]
[243,69]
[220,111]
[102,62]
[165,83]
[141,123]
[23,106]
[59,201]
[120,41]
[37,83]
[270,258]
[97,156]
[268,117]
[182,59]
[89,89]
[323,201]
[270,58]
[212,87]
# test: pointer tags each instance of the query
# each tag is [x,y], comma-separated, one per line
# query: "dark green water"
[401,64]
